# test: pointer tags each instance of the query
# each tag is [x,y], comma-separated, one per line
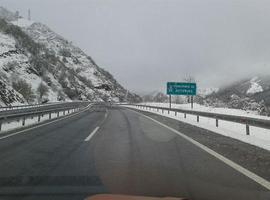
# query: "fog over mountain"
[145,43]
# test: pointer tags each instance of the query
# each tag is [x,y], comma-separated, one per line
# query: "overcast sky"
[145,43]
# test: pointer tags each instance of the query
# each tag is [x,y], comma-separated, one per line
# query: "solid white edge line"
[263,182]
[91,134]
[37,126]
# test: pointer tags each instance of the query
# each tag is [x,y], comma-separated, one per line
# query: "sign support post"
[191,102]
[170,99]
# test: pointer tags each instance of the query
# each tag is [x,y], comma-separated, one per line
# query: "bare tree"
[178,100]
[60,96]
[189,79]
[25,89]
[42,90]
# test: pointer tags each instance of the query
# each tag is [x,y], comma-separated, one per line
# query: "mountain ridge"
[35,54]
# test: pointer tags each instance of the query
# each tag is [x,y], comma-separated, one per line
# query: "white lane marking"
[56,120]
[97,128]
[91,134]
[263,182]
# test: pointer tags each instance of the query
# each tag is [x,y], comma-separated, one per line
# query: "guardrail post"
[185,115]
[0,125]
[64,112]
[50,115]
[162,111]
[68,111]
[247,129]
[58,114]
[216,122]
[175,113]
[23,121]
[38,118]
[168,111]
[198,118]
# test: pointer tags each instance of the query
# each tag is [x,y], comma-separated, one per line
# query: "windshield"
[153,98]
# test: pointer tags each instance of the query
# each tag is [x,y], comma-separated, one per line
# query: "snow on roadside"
[258,136]
[29,121]
[225,111]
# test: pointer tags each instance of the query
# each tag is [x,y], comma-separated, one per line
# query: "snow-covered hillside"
[249,94]
[31,55]
[255,86]
[15,65]
[206,91]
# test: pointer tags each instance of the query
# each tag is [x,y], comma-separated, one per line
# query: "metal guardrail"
[29,112]
[248,121]
[4,108]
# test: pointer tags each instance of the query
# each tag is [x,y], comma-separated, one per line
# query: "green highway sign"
[176,88]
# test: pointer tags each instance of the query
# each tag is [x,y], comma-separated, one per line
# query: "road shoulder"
[250,157]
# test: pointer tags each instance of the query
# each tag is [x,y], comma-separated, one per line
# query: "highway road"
[115,150]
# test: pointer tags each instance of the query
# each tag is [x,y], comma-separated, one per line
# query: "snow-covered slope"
[255,86]
[15,64]
[33,54]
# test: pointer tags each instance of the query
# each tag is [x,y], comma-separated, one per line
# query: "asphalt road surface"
[115,150]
